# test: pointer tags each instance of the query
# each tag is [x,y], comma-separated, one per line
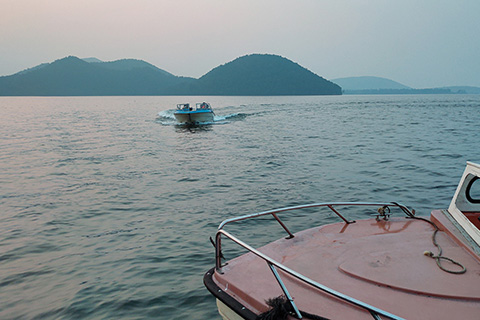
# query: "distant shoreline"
[404,91]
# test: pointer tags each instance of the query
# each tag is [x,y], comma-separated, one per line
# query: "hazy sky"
[420,43]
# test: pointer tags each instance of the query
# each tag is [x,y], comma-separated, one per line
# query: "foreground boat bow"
[372,268]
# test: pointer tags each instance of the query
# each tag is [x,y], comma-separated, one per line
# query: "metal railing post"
[284,289]
[218,252]
[290,235]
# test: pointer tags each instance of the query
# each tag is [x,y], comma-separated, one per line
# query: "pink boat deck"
[377,262]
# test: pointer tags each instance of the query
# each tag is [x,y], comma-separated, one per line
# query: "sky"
[419,43]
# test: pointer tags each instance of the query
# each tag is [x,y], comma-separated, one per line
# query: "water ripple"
[108,205]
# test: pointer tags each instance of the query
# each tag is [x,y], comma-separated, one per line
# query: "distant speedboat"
[202,113]
[367,269]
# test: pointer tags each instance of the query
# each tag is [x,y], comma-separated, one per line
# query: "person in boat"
[203,105]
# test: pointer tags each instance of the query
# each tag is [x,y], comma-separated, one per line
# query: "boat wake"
[167,118]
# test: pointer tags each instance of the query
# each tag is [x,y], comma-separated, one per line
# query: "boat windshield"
[473,190]
[465,205]
[183,106]
[198,106]
[203,105]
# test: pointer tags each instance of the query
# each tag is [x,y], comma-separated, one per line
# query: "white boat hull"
[194,117]
[226,312]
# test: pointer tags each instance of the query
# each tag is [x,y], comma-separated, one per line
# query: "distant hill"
[463,89]
[249,75]
[263,74]
[132,64]
[33,68]
[368,83]
[72,76]
[92,60]
[377,85]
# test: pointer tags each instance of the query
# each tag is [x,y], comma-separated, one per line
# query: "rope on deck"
[439,257]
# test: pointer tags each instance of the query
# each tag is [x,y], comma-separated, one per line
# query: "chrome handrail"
[315,205]
[375,312]
[274,212]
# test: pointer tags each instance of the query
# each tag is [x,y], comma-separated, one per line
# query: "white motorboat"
[202,113]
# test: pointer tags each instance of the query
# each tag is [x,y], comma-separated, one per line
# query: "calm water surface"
[107,205]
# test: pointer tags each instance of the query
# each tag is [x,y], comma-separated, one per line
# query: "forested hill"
[249,75]
[263,75]
[72,76]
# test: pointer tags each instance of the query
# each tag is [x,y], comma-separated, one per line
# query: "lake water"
[107,206]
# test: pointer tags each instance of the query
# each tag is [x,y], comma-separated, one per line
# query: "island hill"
[256,74]
[377,85]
